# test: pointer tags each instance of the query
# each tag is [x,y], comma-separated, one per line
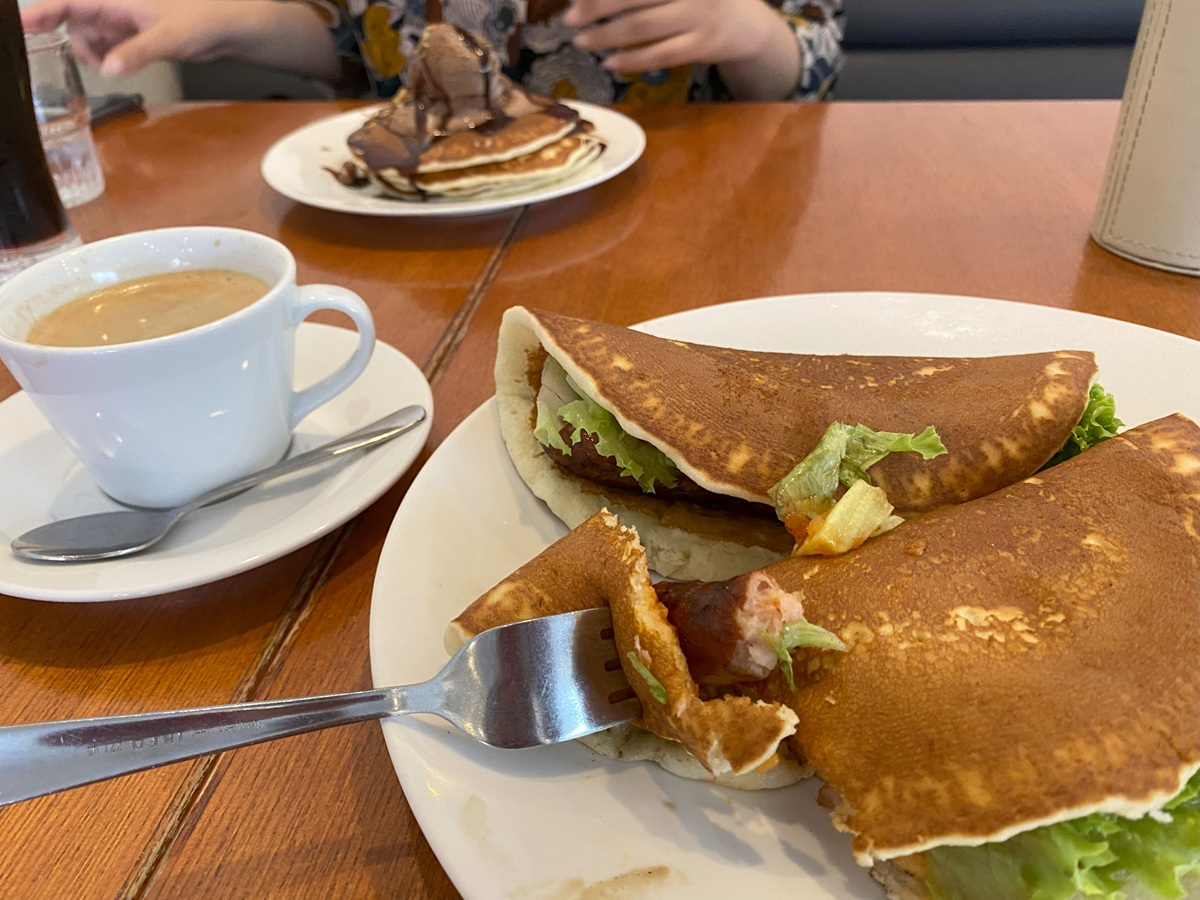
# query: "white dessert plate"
[297,166]
[40,481]
[561,822]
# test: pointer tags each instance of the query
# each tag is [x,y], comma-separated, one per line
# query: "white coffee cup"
[159,421]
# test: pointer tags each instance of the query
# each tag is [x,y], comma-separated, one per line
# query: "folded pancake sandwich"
[1019,710]
[1017,713]
[696,436]
[463,129]
[729,739]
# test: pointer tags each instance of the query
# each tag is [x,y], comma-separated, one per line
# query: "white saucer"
[296,166]
[40,481]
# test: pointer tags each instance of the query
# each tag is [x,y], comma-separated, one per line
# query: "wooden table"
[729,202]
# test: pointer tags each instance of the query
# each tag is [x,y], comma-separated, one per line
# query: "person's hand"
[123,36]
[658,34]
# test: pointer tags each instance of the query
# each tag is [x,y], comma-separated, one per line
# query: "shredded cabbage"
[1096,856]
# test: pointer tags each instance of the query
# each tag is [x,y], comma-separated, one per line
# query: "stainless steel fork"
[522,685]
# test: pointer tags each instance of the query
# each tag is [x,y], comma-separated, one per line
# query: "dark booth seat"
[987,49]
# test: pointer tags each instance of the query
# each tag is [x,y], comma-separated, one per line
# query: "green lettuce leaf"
[641,461]
[865,447]
[1096,856]
[808,488]
[638,459]
[547,430]
[657,691]
[1098,423]
[842,457]
[800,634]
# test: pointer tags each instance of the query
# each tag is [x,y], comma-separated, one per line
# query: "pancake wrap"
[735,422]
[1022,660]
[731,739]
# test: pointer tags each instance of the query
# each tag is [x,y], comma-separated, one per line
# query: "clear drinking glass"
[63,117]
[33,223]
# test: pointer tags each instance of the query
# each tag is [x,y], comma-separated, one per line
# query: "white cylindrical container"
[1149,209]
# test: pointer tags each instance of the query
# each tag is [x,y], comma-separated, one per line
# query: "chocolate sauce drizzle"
[349,174]
[402,151]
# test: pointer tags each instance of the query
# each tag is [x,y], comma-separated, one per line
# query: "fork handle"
[46,757]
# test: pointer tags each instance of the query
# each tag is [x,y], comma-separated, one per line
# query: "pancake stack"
[463,130]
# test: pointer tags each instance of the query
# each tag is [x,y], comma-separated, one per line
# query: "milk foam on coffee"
[147,307]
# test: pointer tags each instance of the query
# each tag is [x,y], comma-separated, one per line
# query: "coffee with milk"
[148,307]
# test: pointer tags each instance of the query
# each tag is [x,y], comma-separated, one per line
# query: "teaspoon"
[120,533]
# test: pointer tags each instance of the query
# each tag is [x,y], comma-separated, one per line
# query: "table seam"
[194,789]
[456,330]
[315,574]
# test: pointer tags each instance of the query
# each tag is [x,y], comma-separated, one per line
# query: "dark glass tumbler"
[33,223]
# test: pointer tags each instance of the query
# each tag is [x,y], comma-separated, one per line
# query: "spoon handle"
[46,757]
[386,428]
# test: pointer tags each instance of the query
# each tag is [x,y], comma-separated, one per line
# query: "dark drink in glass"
[33,223]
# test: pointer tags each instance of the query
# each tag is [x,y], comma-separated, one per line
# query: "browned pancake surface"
[725,734]
[517,138]
[584,569]
[538,164]
[714,524]
[602,563]
[741,420]
[1030,653]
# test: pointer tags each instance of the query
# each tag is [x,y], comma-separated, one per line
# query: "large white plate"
[40,480]
[296,166]
[551,822]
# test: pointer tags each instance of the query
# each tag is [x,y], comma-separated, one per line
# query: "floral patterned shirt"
[376,40]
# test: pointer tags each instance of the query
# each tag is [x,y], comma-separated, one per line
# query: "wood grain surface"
[728,202]
[732,202]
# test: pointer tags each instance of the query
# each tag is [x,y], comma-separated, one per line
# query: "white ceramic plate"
[296,167]
[553,822]
[40,480]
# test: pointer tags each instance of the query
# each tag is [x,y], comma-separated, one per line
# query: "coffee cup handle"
[309,299]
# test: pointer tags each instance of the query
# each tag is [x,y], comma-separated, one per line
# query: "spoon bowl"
[123,532]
